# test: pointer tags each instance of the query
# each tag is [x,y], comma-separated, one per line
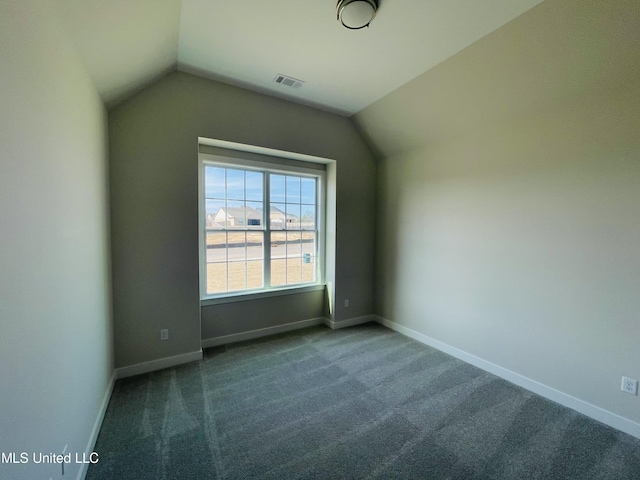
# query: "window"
[263,224]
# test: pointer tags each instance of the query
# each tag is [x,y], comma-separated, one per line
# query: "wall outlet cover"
[630,385]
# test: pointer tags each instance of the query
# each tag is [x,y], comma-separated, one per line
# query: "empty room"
[319,239]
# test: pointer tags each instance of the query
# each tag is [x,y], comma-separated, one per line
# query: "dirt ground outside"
[235,260]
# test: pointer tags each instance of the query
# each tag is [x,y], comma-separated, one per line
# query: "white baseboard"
[96,426]
[261,332]
[159,364]
[600,414]
[349,322]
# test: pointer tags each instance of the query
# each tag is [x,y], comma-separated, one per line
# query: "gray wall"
[153,167]
[231,318]
[56,357]
[509,183]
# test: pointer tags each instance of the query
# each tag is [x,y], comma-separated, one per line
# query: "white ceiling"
[127,44]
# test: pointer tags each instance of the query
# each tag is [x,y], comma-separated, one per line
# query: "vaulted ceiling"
[128,44]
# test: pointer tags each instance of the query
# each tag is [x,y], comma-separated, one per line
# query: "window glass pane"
[308,190]
[308,268]
[215,216]
[255,260]
[308,243]
[217,247]
[279,239]
[254,274]
[235,215]
[235,184]
[278,272]
[214,182]
[254,215]
[293,216]
[294,271]
[293,189]
[278,258]
[236,246]
[277,216]
[255,245]
[237,276]
[277,188]
[254,186]
[216,272]
[236,256]
[294,246]
[216,278]
[294,254]
[308,257]
[308,217]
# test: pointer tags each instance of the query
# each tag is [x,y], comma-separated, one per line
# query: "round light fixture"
[355,14]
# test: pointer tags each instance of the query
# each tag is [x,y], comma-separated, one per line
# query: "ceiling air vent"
[288,81]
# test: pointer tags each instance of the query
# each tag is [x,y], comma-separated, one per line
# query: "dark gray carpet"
[362,402]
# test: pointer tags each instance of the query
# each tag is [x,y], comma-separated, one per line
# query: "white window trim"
[250,156]
[241,296]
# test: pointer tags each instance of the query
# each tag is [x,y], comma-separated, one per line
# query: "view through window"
[261,228]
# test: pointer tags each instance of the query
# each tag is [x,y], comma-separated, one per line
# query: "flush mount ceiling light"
[355,14]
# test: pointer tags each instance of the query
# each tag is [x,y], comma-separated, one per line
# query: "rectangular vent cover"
[288,81]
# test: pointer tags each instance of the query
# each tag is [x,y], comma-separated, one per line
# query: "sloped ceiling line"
[128,44]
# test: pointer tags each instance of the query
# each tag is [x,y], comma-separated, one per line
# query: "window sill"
[246,296]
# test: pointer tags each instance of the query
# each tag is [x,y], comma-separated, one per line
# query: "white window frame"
[249,157]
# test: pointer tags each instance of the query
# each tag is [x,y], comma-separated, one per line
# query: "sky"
[295,195]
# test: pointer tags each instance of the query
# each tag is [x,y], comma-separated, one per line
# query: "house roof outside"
[251,213]
[242,212]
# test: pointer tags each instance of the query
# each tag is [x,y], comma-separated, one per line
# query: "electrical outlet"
[346,303]
[164,334]
[630,385]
